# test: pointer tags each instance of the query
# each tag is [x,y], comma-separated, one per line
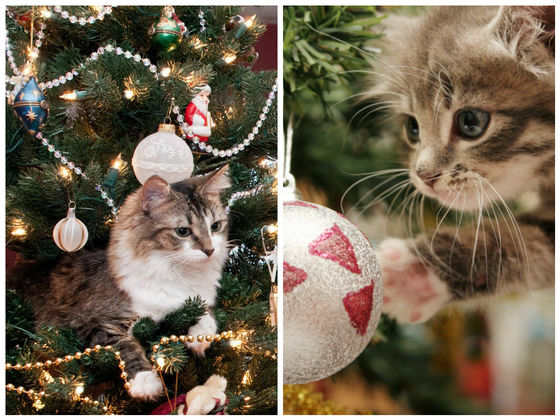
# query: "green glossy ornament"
[166,34]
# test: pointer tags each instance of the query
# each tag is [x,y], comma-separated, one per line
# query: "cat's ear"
[214,184]
[154,192]
[527,34]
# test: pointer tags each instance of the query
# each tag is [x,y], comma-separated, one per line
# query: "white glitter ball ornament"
[165,154]
[333,292]
[70,234]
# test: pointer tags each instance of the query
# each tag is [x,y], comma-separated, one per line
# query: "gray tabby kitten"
[169,244]
[474,89]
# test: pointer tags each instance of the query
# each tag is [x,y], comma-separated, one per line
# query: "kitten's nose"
[208,251]
[429,178]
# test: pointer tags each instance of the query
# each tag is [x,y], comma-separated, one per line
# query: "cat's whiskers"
[518,234]
[458,223]
[378,106]
[445,214]
[396,172]
[401,185]
[478,225]
[497,236]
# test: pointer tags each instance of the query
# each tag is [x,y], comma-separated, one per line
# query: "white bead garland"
[83,20]
[187,133]
[39,35]
[77,170]
[94,56]
[202,21]
[242,194]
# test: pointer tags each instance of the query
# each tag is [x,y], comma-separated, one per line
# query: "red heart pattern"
[333,245]
[292,277]
[358,305]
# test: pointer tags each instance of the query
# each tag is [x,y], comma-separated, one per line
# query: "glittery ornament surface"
[292,277]
[333,292]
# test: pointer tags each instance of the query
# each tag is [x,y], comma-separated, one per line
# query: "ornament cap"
[289,192]
[167,128]
[71,210]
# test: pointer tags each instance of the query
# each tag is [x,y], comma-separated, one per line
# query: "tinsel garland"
[303,400]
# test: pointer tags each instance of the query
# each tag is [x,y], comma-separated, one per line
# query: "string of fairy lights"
[69,166]
[236,341]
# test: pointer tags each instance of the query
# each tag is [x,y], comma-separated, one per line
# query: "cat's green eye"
[216,226]
[183,232]
[472,123]
[412,130]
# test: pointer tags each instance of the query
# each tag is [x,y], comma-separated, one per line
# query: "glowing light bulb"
[64,172]
[117,163]
[128,93]
[229,58]
[271,229]
[235,343]
[165,72]
[246,378]
[19,232]
[32,52]
[27,69]
[197,43]
[160,362]
[69,96]
[79,390]
[249,22]
[19,228]
[46,13]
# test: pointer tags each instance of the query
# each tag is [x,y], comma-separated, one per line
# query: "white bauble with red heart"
[333,292]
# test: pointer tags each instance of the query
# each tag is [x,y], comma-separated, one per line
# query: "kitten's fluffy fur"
[149,269]
[499,61]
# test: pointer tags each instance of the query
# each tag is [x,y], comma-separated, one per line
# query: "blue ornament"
[31,106]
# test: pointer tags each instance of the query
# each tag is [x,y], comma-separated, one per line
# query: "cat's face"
[479,122]
[184,222]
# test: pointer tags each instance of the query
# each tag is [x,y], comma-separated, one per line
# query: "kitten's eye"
[216,226]
[183,232]
[472,123]
[412,130]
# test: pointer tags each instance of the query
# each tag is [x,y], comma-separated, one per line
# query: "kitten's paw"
[206,326]
[412,292]
[145,385]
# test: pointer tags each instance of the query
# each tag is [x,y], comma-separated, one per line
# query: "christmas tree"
[330,56]
[110,76]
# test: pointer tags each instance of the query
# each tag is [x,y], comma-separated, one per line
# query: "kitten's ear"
[215,183]
[154,192]
[527,34]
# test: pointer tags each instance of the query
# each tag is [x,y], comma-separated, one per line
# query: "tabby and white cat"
[169,244]
[474,89]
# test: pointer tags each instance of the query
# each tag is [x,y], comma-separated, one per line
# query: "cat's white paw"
[145,385]
[206,326]
[412,292]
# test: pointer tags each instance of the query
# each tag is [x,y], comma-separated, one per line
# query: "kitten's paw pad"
[412,292]
[145,385]
[198,348]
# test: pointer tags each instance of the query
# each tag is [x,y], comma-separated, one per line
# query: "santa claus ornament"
[333,292]
[197,117]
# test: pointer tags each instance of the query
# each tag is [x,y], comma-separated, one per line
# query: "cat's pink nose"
[208,251]
[429,178]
